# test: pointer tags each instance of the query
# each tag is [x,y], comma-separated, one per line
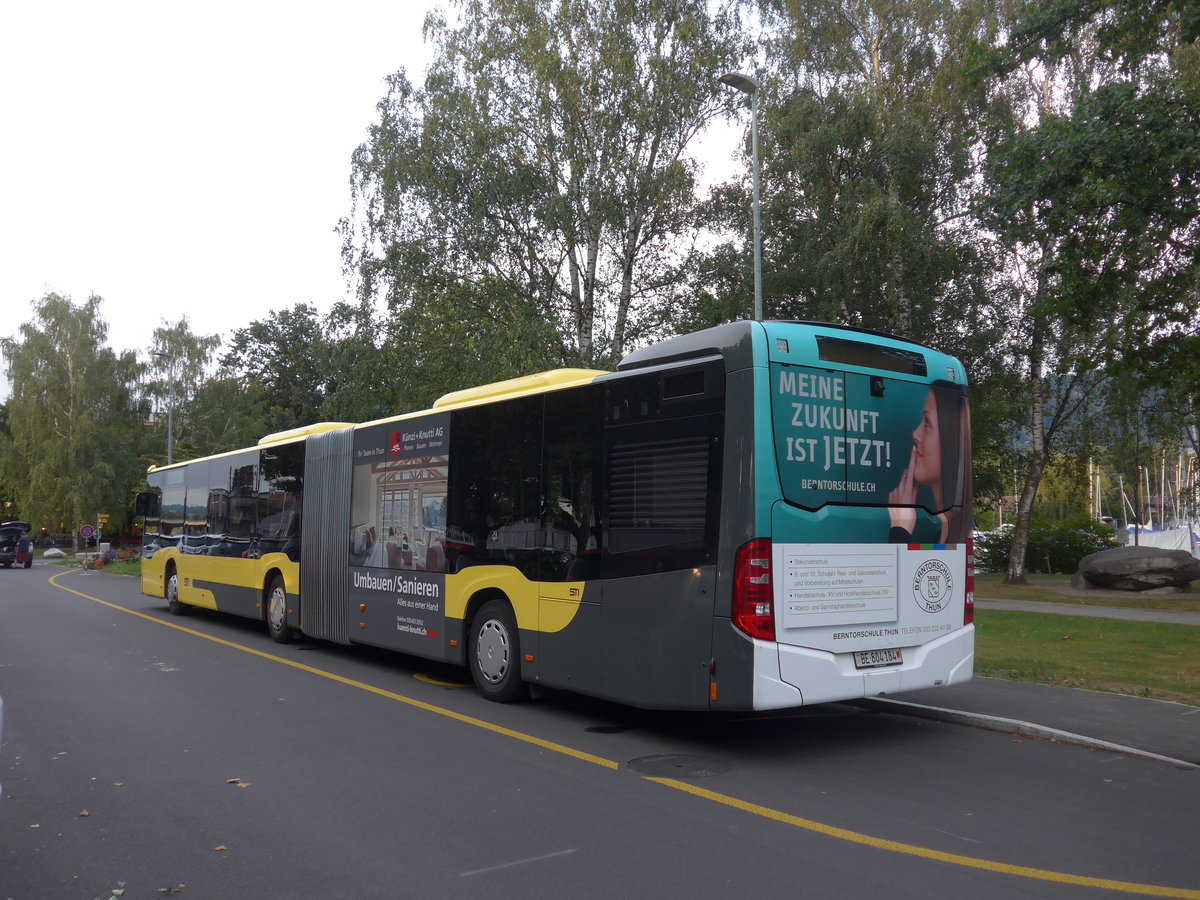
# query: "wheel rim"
[172,590]
[277,609]
[492,651]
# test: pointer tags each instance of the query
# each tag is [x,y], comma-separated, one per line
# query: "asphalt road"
[158,756]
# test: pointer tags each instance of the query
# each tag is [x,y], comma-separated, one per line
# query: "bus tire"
[174,606]
[276,611]
[494,654]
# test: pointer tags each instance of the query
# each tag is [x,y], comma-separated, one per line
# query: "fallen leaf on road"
[220,847]
[84,814]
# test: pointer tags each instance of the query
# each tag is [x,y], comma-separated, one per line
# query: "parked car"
[10,541]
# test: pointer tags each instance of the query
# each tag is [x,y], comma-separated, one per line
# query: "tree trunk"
[1015,574]
[629,254]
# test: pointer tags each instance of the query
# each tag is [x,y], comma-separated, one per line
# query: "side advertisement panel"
[396,555]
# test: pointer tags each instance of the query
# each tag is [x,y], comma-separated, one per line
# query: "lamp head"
[743,83]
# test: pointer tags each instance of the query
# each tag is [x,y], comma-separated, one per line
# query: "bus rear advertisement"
[761,515]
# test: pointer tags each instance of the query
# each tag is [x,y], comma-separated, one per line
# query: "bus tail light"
[969,607]
[753,597]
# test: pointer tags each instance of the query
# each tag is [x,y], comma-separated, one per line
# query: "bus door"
[663,448]
[569,585]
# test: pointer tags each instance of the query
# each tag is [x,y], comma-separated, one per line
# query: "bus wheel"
[495,653]
[174,607]
[277,624]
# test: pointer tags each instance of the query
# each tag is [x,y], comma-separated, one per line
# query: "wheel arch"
[480,597]
[269,574]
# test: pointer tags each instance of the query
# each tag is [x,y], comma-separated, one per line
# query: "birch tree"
[177,369]
[74,433]
[870,142]
[543,172]
[1094,194]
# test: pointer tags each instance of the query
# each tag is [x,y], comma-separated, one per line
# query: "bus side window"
[280,492]
[493,511]
[663,471]
[242,504]
[171,520]
[195,519]
[573,450]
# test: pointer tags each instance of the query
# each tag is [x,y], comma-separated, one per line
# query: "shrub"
[1054,547]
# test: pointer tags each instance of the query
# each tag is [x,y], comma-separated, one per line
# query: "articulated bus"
[756,516]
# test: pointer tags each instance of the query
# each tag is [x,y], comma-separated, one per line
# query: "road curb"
[1011,726]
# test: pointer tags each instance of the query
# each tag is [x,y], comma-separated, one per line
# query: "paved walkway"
[1114,723]
[1171,616]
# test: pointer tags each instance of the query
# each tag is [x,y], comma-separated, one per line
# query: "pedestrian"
[24,551]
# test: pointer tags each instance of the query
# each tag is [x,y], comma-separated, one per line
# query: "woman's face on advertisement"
[926,439]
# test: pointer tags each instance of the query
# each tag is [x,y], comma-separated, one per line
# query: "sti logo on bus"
[396,444]
[932,586]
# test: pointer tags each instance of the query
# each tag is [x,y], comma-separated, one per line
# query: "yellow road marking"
[429,679]
[350,682]
[1129,887]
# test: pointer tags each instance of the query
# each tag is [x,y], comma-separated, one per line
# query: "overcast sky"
[186,159]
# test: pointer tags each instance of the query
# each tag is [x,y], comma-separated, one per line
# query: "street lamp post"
[750,86]
[170,406]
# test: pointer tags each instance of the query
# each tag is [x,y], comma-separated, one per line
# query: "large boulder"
[1137,569]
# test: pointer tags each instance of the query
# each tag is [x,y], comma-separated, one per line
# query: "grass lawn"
[1145,659]
[124,567]
[119,567]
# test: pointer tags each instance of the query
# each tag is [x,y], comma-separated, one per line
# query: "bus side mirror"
[145,504]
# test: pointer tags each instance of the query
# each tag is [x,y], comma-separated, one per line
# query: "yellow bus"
[756,516]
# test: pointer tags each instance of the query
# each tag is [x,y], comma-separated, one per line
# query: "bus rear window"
[870,356]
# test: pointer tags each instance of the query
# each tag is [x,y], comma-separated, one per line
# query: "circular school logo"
[932,585]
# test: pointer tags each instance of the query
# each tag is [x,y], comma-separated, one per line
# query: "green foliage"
[1063,493]
[73,430]
[1093,191]
[1126,32]
[869,131]
[224,413]
[1054,547]
[178,367]
[282,363]
[1110,192]
[541,172]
